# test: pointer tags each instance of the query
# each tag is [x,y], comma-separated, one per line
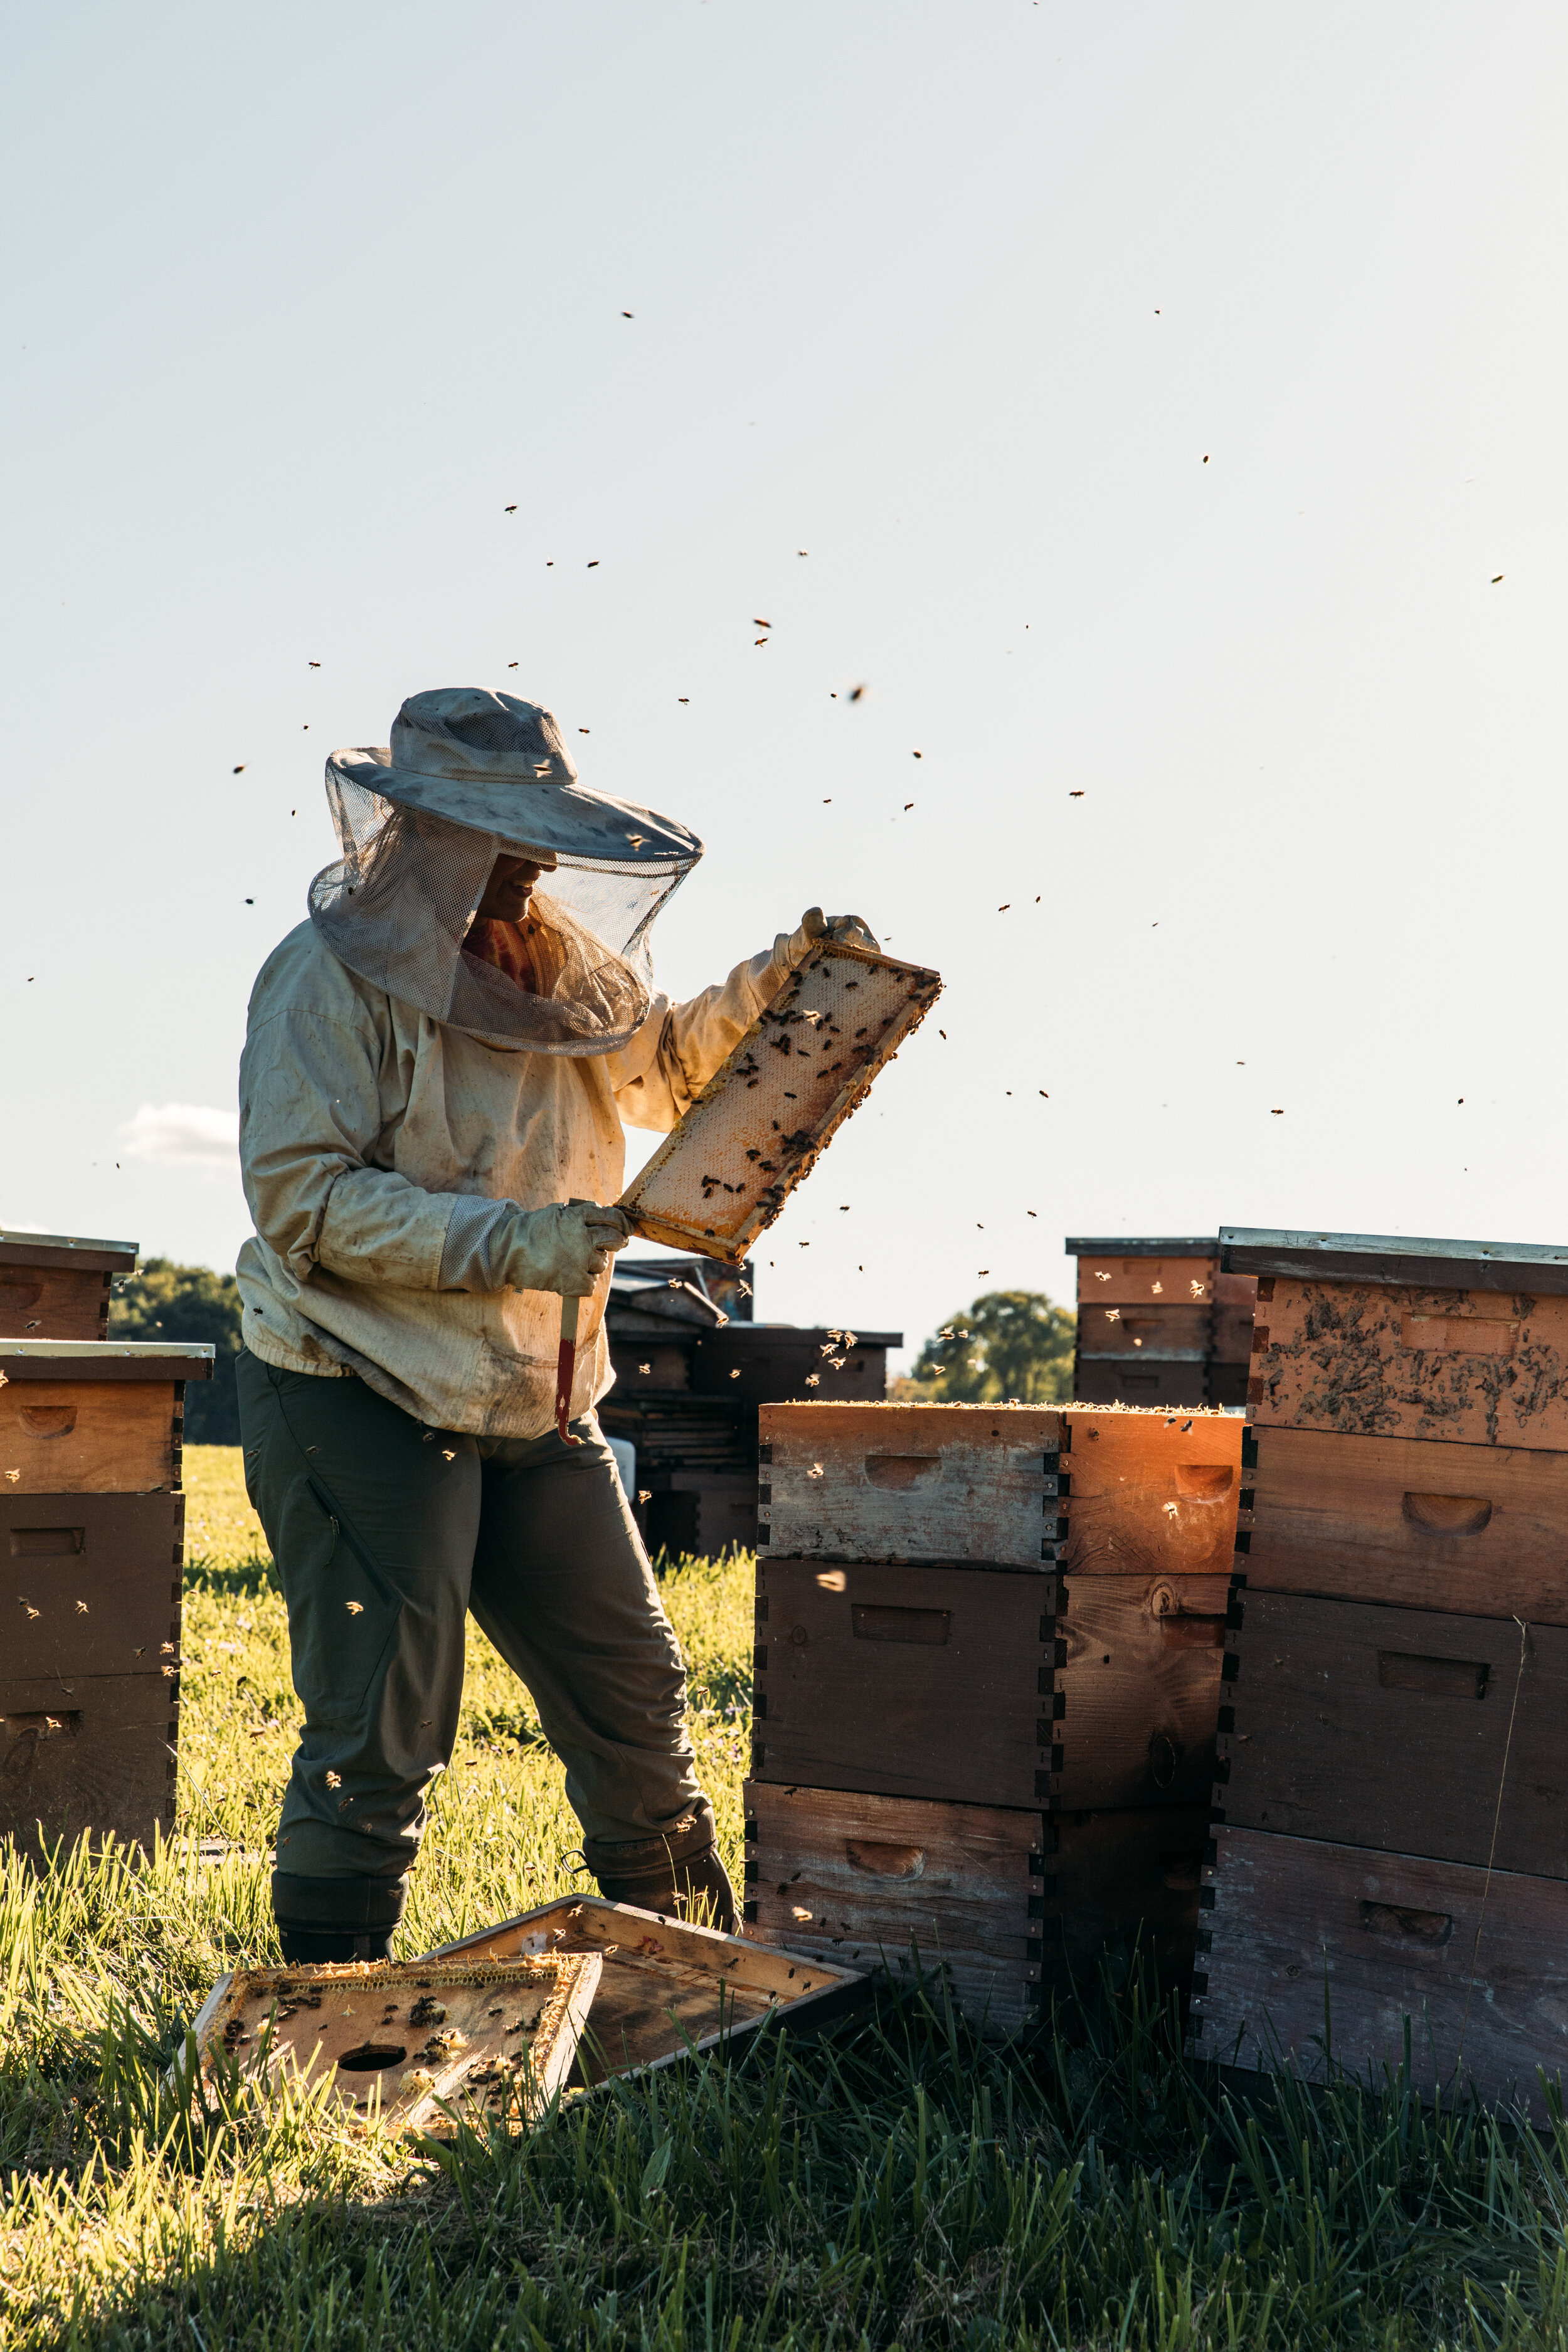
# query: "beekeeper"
[438,1067]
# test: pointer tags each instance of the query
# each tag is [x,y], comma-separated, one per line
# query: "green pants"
[385,1534]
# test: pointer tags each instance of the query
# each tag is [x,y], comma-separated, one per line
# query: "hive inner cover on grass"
[668,1986]
[725,1172]
[498,2037]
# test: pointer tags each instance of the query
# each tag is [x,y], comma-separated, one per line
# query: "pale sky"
[1158,392]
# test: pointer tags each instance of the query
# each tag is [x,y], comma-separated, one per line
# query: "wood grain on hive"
[1010,1613]
[1397,1655]
[56,1285]
[1009,1905]
[1473,1352]
[871,1881]
[91,1531]
[1095,1491]
[1313,1955]
[1389,1728]
[916,1481]
[1475,1530]
[1064,1694]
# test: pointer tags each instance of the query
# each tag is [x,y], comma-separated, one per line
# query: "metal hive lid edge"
[1141,1246]
[98,1351]
[1411,1261]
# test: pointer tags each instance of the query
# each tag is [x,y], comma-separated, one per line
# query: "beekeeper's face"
[508,890]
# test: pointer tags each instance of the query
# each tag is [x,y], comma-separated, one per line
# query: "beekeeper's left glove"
[814,926]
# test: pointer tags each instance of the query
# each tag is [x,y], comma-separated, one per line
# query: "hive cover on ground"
[491,2039]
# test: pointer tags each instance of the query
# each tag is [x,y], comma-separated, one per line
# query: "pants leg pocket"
[343,1611]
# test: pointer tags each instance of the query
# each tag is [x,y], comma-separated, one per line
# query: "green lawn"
[902,2186]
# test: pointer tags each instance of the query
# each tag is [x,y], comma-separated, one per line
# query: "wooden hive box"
[92,1581]
[1009,1905]
[1418,1523]
[1132,1336]
[93,1417]
[928,1655]
[91,1525]
[56,1285]
[1398,1728]
[1373,1336]
[1086,1489]
[1160,1324]
[869,1880]
[1313,1955]
[1145,1320]
[985,1686]
[947,1483]
[1392,1721]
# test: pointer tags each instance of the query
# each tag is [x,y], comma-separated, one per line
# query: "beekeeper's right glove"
[564,1248]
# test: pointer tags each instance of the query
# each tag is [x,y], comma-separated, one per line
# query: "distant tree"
[164,1301]
[1012,1343]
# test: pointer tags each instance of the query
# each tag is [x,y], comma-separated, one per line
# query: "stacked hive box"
[55,1286]
[1391,1836]
[988,1668]
[1160,1323]
[91,1529]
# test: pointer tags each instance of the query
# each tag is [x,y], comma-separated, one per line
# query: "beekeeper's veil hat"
[471,775]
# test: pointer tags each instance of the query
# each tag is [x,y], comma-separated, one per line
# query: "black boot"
[315,1947]
[678,1874]
[322,1920]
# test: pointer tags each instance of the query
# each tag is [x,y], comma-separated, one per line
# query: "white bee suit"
[375,1143]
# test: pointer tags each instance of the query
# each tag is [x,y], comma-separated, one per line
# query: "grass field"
[901,2186]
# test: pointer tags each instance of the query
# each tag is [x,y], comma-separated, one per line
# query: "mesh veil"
[396,906]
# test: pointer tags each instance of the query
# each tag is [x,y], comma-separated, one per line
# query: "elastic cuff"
[354,1906]
[693,1833]
[473,1240]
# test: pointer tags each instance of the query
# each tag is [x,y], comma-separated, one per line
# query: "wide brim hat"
[499,765]
[471,773]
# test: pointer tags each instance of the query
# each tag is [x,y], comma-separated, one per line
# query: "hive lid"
[1404,1258]
[1141,1246]
[672,1302]
[415,2041]
[106,1360]
[54,1251]
[670,1987]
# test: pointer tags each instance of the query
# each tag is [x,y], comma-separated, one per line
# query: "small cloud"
[181,1135]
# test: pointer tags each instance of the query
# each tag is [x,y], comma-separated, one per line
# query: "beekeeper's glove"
[815,925]
[564,1248]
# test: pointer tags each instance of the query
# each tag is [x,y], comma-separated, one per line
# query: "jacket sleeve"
[656,1078]
[310,1114]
